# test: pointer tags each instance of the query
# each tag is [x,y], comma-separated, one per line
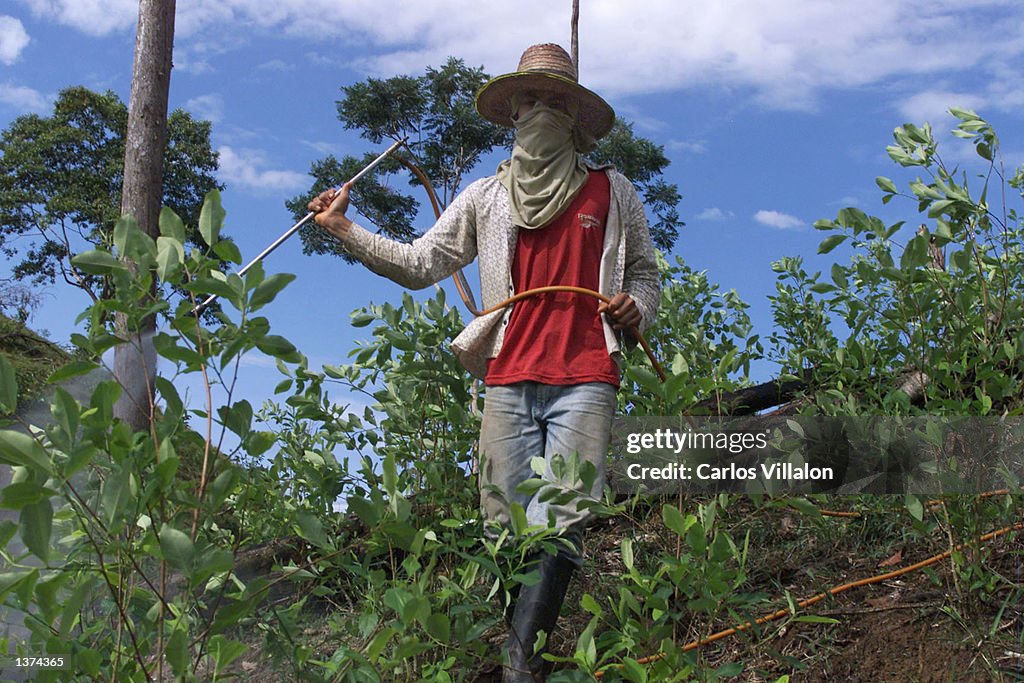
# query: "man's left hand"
[622,311]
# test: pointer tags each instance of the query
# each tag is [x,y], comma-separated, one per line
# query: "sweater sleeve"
[641,280]
[449,245]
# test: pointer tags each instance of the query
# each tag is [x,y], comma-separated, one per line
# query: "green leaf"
[166,345]
[117,496]
[123,228]
[75,368]
[23,493]
[258,443]
[729,670]
[213,562]
[237,417]
[634,671]
[939,207]
[803,505]
[8,386]
[169,463]
[627,552]
[223,485]
[839,276]
[274,345]
[228,251]
[268,289]
[97,262]
[66,413]
[379,642]
[814,619]
[36,525]
[916,253]
[211,218]
[675,521]
[646,379]
[886,184]
[591,605]
[17,448]
[177,649]
[225,651]
[171,226]
[360,319]
[518,518]
[852,217]
[174,407]
[169,255]
[133,244]
[312,529]
[417,609]
[73,605]
[830,243]
[177,549]
[914,506]
[531,486]
[586,649]
[212,285]
[438,626]
[963,114]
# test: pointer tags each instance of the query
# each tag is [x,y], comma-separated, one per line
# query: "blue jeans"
[527,420]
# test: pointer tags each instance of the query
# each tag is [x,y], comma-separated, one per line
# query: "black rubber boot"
[536,610]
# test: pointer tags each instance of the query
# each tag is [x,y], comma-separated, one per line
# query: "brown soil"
[912,629]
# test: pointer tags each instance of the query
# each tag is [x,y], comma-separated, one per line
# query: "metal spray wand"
[295,228]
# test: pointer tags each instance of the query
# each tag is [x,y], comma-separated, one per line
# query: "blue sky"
[774,114]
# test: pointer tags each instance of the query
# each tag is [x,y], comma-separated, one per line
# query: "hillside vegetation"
[165,554]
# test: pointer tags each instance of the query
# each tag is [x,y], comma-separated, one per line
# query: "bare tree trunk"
[142,191]
[576,35]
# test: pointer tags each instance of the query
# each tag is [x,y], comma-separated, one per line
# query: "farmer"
[550,362]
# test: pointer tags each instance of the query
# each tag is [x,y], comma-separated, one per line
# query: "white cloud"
[258,360]
[209,107]
[688,146]
[278,65]
[714,214]
[13,39]
[245,168]
[322,147]
[787,55]
[24,99]
[777,219]
[932,105]
[188,62]
[93,17]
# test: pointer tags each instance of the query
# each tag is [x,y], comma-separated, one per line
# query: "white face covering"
[546,171]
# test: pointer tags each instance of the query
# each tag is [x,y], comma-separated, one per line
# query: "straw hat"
[544,67]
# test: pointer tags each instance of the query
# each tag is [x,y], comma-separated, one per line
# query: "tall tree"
[644,163]
[447,140]
[135,363]
[61,179]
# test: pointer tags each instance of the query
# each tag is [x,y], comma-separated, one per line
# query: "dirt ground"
[910,629]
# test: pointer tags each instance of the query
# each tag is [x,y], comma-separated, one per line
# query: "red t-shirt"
[558,337]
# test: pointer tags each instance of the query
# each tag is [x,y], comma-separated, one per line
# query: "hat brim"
[493,100]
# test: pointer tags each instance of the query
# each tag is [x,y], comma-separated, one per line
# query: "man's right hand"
[330,207]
